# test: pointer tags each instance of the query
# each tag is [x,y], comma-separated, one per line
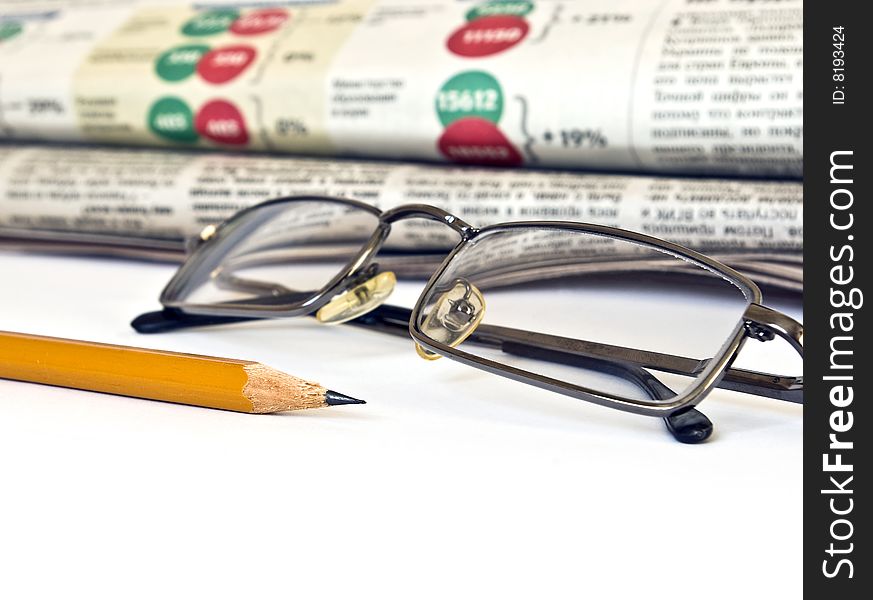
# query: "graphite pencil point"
[336,399]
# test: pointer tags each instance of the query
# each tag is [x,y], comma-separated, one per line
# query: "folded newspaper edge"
[146,203]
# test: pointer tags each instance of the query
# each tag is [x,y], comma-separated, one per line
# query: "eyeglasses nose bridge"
[424,211]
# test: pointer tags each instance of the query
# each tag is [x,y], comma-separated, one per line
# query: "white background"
[449,483]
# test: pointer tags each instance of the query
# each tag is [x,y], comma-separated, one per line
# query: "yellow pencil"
[224,383]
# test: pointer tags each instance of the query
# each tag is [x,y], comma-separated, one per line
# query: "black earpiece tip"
[689,426]
[154,322]
[169,319]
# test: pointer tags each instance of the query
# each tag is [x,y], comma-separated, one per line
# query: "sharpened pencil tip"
[336,399]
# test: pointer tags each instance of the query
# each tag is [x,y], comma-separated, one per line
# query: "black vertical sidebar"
[837,262]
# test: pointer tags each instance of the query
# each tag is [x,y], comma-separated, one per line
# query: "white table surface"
[449,483]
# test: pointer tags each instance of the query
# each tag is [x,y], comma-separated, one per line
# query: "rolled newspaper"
[668,87]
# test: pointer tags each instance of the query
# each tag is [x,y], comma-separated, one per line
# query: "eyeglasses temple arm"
[394,320]
[778,387]
[171,319]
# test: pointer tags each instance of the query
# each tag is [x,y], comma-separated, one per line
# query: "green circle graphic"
[515,8]
[210,22]
[9,29]
[470,94]
[171,118]
[180,62]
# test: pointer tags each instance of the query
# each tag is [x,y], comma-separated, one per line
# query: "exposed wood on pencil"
[268,390]
[224,383]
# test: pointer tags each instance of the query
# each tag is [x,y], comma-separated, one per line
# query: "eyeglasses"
[613,317]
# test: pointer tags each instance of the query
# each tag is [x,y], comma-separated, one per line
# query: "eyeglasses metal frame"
[758,321]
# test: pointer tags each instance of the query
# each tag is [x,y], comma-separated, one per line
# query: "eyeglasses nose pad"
[454,317]
[359,300]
